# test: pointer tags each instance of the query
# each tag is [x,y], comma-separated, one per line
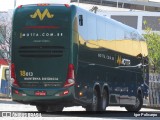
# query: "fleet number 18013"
[24,73]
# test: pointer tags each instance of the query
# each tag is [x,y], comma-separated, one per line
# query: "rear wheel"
[95,102]
[104,100]
[137,106]
[41,108]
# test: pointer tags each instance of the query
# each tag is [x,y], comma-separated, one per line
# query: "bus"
[64,56]
[4,80]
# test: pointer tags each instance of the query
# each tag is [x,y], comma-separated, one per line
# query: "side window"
[81,20]
[110,36]
[119,34]
[110,31]
[92,28]
[134,36]
[82,25]
[127,36]
[123,43]
[101,29]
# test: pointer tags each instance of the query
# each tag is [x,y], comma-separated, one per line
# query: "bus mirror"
[139,56]
[81,20]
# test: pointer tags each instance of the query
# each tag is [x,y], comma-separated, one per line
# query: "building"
[146,5]
[133,18]
[136,19]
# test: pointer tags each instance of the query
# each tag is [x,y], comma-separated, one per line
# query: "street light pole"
[15,3]
[78,2]
[101,2]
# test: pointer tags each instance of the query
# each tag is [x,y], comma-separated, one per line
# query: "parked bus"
[65,56]
[4,80]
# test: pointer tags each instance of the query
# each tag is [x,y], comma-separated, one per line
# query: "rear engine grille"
[41,51]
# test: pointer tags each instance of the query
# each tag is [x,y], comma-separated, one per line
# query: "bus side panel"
[95,63]
[99,43]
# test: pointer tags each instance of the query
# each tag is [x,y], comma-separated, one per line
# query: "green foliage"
[153,41]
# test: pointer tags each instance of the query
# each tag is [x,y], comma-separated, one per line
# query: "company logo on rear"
[42,15]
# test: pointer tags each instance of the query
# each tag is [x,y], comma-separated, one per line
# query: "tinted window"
[128,20]
[41,17]
[101,31]
[152,22]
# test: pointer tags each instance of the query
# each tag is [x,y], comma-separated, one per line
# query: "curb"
[5,98]
[151,107]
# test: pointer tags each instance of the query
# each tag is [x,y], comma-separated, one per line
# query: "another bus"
[63,56]
[4,80]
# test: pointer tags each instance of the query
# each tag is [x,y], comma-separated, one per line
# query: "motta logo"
[123,61]
[119,60]
[42,15]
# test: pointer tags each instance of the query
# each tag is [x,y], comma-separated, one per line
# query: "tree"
[5,37]
[153,41]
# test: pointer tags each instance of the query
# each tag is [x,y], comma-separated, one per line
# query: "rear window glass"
[41,17]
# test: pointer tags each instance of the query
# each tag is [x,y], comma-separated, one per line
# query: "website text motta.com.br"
[44,34]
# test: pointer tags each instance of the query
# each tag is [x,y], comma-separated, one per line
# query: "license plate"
[40,93]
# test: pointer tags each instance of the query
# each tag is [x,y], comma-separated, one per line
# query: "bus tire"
[55,108]
[104,101]
[41,108]
[137,106]
[95,102]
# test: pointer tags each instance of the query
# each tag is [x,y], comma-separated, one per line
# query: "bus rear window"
[60,20]
[41,17]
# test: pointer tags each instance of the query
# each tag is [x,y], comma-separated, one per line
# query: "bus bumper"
[60,96]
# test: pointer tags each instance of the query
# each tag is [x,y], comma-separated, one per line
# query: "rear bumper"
[53,96]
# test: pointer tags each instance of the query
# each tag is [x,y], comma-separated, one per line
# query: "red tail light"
[20,6]
[42,4]
[13,75]
[67,5]
[70,76]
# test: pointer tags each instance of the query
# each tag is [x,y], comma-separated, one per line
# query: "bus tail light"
[13,75]
[70,76]
[20,6]
[66,92]
[42,4]
[66,5]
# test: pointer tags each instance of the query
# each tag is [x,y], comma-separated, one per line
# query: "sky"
[9,4]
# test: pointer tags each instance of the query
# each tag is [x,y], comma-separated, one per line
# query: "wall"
[154,90]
